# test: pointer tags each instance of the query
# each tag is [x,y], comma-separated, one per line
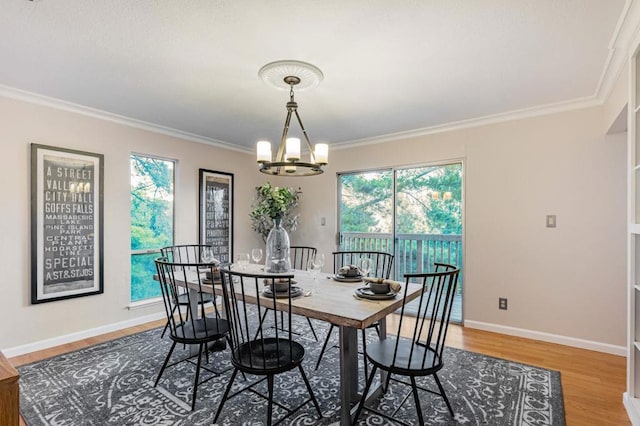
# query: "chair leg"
[270,406]
[364,351]
[444,395]
[264,315]
[164,365]
[313,397]
[226,393]
[167,324]
[386,383]
[164,330]
[324,346]
[364,395]
[315,336]
[416,399]
[195,381]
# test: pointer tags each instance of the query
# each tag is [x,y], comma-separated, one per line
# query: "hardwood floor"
[592,382]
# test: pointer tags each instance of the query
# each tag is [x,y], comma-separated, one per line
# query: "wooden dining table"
[329,300]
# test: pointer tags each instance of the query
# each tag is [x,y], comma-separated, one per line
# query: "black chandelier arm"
[301,169]
[306,137]
[283,140]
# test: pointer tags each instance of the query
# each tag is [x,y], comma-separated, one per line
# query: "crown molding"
[502,117]
[623,39]
[22,95]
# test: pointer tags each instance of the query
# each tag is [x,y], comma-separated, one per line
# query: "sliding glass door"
[414,213]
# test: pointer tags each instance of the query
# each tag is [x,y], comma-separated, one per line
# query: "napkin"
[395,286]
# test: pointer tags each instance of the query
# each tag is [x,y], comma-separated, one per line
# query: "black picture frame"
[215,217]
[67,235]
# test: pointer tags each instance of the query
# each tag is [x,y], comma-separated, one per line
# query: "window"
[152,210]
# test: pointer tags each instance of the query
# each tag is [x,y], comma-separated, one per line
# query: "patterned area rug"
[112,384]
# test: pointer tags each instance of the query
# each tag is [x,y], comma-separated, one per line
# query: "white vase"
[277,259]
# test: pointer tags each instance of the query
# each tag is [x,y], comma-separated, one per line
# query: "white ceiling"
[389,66]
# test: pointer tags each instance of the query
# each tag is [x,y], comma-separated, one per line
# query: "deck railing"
[414,252]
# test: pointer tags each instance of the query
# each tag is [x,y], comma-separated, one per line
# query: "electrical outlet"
[502,303]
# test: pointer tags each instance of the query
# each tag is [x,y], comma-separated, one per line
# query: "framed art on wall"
[216,213]
[66,223]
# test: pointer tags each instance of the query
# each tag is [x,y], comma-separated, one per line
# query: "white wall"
[25,123]
[569,281]
[614,107]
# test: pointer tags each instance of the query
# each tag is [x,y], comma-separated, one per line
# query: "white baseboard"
[67,338]
[546,337]
[633,408]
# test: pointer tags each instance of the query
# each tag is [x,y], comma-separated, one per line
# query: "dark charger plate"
[347,279]
[295,292]
[366,293]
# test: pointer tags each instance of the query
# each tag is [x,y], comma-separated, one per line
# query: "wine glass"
[314,266]
[365,266]
[242,259]
[256,254]
[319,259]
[206,255]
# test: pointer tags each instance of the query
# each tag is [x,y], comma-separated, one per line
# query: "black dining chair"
[189,329]
[381,265]
[186,253]
[259,350]
[421,354]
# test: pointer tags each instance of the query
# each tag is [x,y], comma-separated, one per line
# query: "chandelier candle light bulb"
[321,153]
[293,149]
[263,149]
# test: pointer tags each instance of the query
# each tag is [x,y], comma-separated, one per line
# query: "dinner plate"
[366,293]
[295,292]
[344,279]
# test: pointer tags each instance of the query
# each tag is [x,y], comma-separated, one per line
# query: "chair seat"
[183,299]
[278,355]
[381,354]
[206,329]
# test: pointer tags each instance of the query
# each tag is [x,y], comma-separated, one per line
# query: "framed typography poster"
[216,213]
[66,223]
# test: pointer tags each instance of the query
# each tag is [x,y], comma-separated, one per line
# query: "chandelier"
[288,161]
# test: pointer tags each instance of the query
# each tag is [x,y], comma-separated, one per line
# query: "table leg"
[348,372]
[382,325]
[349,376]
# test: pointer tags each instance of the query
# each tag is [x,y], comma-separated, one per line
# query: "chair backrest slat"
[301,255]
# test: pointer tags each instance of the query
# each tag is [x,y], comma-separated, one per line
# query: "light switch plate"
[551,221]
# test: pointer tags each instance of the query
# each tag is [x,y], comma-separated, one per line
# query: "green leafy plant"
[273,202]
